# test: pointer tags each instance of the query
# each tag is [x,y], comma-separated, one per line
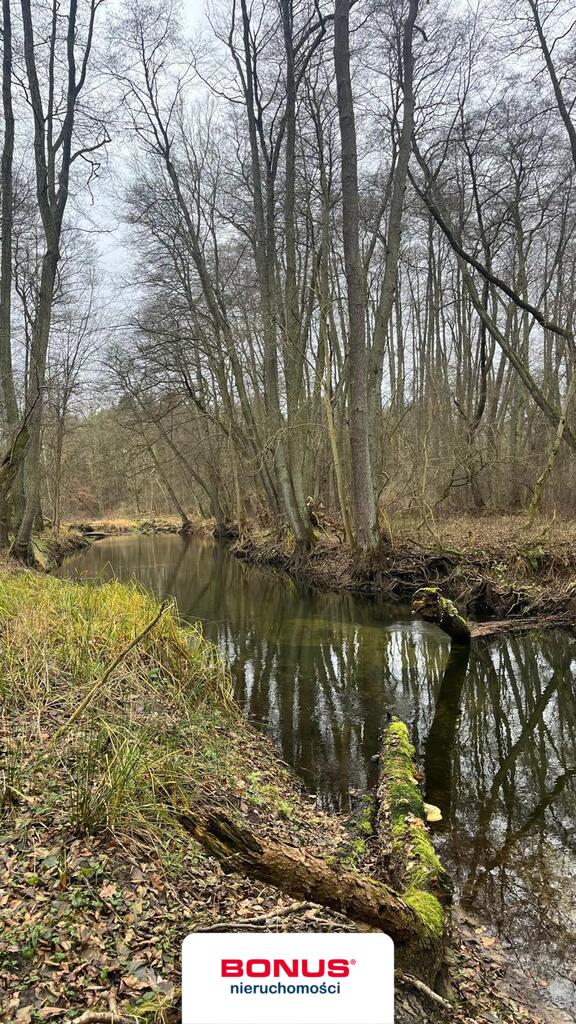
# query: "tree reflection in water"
[496,729]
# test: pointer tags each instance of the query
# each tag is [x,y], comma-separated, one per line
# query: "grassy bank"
[99,884]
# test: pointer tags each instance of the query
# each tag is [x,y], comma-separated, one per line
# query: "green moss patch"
[416,867]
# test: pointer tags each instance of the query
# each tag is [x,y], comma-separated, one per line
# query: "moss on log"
[412,905]
[304,875]
[429,604]
[414,867]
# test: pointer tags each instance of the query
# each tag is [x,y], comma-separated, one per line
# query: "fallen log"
[411,905]
[498,627]
[429,604]
[302,874]
[412,863]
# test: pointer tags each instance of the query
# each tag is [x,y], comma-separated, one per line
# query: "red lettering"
[290,970]
[232,969]
[338,969]
[252,968]
[307,972]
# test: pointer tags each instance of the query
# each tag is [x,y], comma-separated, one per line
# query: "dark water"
[496,730]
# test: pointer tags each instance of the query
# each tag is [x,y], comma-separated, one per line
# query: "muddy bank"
[491,567]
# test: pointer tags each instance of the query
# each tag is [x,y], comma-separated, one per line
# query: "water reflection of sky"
[496,732]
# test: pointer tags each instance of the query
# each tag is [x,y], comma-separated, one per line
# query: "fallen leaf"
[107,891]
[130,981]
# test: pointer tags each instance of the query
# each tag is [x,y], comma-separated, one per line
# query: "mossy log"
[304,875]
[429,604]
[414,868]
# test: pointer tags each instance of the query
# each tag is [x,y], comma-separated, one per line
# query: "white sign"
[288,978]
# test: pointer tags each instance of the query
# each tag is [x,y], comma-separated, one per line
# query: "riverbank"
[99,881]
[490,566]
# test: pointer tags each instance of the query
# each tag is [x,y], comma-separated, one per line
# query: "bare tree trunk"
[22,544]
[57,499]
[8,403]
[550,462]
[394,232]
[53,158]
[172,493]
[367,534]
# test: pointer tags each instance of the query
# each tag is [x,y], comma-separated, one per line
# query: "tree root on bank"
[407,979]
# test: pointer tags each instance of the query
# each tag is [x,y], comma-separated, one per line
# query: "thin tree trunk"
[393,234]
[363,492]
[8,403]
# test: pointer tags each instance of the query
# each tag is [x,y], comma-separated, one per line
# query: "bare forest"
[293,259]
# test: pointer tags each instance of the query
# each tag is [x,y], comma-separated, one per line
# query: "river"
[495,730]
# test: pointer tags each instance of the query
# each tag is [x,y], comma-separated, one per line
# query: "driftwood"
[429,604]
[301,874]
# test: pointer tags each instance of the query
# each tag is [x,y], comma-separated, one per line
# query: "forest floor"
[98,882]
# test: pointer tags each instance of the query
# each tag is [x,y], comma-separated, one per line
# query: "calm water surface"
[495,730]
